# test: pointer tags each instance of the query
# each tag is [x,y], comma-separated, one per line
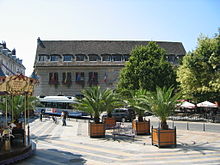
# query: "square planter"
[141,128]
[110,122]
[97,130]
[164,138]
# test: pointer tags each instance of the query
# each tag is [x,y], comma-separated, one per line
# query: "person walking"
[41,116]
[63,117]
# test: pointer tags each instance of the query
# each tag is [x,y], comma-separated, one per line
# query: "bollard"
[203,126]
[28,134]
[7,145]
[187,125]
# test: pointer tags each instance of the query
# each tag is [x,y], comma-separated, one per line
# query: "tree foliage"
[147,68]
[137,103]
[199,74]
[96,101]
[162,103]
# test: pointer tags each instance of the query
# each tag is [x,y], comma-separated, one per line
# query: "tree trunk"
[164,125]
[140,118]
[109,114]
[96,119]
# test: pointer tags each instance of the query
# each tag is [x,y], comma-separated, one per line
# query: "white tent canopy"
[187,104]
[207,104]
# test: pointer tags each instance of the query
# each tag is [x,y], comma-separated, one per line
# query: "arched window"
[126,57]
[116,57]
[43,57]
[80,57]
[93,57]
[67,57]
[106,57]
[54,57]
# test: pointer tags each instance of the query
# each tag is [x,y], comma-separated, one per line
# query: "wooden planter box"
[141,128]
[97,130]
[109,122]
[164,138]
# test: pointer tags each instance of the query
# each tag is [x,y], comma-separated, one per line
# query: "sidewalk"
[72,144]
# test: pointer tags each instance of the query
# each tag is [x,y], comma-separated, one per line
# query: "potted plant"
[112,101]
[162,103]
[136,102]
[93,102]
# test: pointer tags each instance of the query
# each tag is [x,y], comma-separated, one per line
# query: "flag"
[78,78]
[105,78]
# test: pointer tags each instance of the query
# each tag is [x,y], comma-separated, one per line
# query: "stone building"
[9,63]
[66,67]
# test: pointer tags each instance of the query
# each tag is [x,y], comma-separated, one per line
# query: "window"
[170,58]
[93,57]
[93,78]
[117,57]
[67,78]
[54,58]
[79,76]
[53,78]
[67,58]
[126,57]
[80,57]
[43,57]
[106,57]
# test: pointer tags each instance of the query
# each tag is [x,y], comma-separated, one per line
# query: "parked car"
[122,114]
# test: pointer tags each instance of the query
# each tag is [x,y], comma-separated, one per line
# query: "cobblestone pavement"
[57,145]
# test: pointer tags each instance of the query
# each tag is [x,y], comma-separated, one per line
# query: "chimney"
[4,45]
[13,51]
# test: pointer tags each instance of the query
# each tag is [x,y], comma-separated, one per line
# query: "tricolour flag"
[105,78]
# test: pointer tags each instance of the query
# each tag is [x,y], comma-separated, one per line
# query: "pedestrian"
[54,119]
[41,115]
[63,117]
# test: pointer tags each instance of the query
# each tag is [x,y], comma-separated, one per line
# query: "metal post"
[6,108]
[203,126]
[25,119]
[28,113]
[187,125]
[12,107]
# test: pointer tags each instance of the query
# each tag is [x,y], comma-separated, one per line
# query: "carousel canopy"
[207,104]
[17,85]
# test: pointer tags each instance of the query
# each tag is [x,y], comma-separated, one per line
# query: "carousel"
[15,143]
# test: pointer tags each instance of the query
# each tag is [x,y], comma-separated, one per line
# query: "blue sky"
[22,21]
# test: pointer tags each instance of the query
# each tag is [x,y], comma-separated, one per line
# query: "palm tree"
[112,101]
[96,101]
[17,104]
[162,103]
[138,103]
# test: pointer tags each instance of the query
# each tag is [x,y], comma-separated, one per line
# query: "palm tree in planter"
[111,100]
[137,102]
[93,102]
[162,103]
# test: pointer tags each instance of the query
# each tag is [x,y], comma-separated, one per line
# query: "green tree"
[147,68]
[162,103]
[199,74]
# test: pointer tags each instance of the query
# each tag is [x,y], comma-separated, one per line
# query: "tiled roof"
[102,47]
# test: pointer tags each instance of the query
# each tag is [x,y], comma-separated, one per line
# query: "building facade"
[67,67]
[9,63]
